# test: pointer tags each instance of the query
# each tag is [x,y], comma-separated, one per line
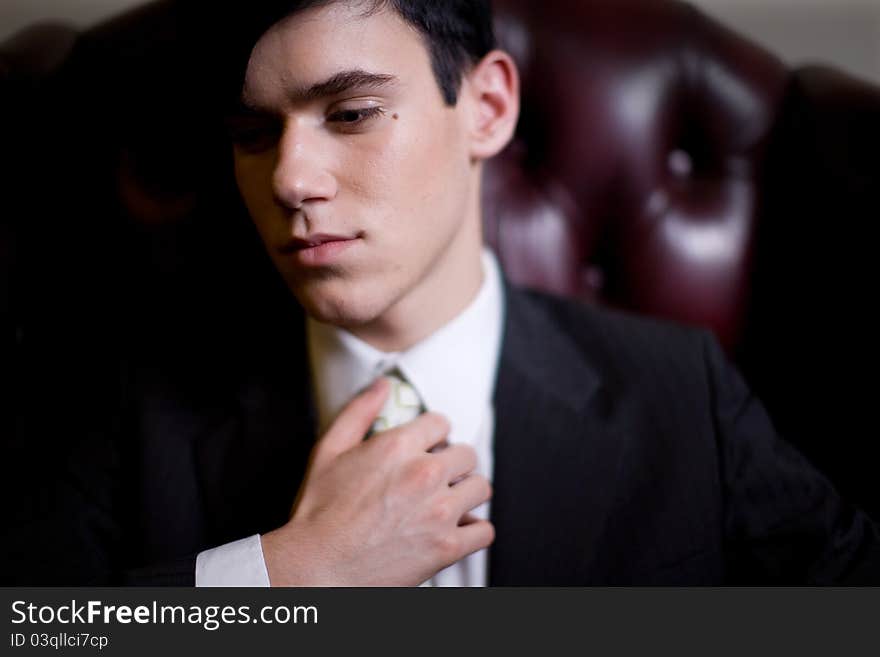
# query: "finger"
[459,460]
[475,536]
[426,432]
[471,492]
[468,519]
[354,421]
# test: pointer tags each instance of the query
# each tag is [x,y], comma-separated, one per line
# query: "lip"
[319,249]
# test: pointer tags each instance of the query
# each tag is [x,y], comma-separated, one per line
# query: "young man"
[362,175]
[619,451]
[359,159]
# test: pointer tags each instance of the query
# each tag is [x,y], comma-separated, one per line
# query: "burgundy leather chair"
[638,159]
[663,165]
[668,166]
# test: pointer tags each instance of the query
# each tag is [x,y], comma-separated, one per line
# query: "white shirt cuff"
[240,563]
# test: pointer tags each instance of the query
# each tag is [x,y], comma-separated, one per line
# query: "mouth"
[319,249]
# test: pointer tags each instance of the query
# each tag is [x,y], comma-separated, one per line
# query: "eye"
[350,118]
[253,134]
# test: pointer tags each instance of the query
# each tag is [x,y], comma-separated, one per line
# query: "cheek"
[411,176]
[368,166]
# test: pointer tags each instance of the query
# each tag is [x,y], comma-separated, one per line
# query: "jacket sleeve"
[66,527]
[65,499]
[784,522]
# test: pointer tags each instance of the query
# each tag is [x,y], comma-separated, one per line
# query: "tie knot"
[403,404]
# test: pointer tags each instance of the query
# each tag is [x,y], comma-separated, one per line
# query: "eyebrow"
[336,84]
[345,81]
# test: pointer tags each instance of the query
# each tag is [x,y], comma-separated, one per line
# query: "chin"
[342,306]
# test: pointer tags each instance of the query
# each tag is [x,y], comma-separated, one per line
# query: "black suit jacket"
[626,452]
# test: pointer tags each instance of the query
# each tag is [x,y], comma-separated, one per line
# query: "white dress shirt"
[453,370]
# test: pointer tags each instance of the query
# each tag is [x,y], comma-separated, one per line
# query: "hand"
[380,512]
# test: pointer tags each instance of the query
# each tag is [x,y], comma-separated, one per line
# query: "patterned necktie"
[402,406]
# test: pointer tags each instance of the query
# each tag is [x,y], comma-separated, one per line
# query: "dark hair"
[457,33]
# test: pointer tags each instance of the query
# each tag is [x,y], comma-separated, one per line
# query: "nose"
[301,174]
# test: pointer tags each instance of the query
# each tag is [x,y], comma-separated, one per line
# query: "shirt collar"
[453,369]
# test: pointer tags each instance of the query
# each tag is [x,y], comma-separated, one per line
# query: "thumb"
[353,422]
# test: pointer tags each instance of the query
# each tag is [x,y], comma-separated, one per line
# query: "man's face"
[350,141]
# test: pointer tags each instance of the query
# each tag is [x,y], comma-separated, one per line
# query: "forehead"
[314,45]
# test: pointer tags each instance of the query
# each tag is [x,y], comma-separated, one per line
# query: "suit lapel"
[555,457]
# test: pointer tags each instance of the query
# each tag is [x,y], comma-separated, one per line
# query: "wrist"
[289,560]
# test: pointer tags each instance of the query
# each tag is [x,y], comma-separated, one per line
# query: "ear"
[491,93]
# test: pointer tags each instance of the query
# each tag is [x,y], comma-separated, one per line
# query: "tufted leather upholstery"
[663,164]
[637,159]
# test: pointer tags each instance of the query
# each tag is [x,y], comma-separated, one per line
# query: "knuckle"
[394,444]
[438,422]
[442,512]
[426,474]
[447,547]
